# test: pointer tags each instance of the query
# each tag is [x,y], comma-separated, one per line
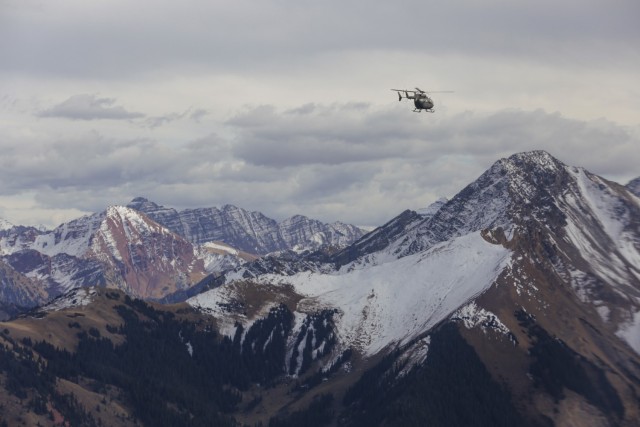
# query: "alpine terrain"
[251,232]
[514,303]
[124,247]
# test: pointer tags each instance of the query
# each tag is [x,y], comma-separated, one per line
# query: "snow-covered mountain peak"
[526,176]
[75,237]
[513,191]
[491,201]
[537,159]
[132,220]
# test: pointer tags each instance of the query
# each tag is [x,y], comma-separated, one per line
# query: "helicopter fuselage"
[422,102]
[420,99]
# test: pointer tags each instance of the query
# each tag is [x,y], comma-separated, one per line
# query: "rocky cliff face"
[144,258]
[120,247]
[251,232]
[18,291]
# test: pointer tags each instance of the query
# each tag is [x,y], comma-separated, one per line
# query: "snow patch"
[472,316]
[414,355]
[395,301]
[602,202]
[78,297]
[220,247]
[391,302]
[215,262]
[630,332]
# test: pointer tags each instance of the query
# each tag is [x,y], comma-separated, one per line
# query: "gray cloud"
[193,114]
[92,39]
[336,135]
[356,163]
[89,107]
[198,114]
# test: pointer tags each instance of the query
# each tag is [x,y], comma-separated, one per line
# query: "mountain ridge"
[125,248]
[574,240]
[252,232]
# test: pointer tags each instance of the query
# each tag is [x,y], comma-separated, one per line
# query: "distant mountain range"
[147,250]
[251,232]
[514,303]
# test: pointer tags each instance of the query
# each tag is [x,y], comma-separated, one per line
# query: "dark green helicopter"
[420,98]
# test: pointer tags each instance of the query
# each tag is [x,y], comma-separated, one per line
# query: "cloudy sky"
[283,106]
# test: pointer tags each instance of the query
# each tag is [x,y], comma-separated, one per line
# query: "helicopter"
[420,98]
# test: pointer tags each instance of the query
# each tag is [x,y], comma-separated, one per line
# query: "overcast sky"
[284,107]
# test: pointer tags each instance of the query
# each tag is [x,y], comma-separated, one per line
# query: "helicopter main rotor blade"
[422,91]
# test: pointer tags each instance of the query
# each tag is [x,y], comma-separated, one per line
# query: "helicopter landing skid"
[419,110]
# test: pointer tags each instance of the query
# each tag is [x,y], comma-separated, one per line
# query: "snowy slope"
[609,212]
[603,225]
[392,302]
[71,238]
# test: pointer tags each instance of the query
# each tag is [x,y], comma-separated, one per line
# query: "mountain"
[125,248]
[538,257]
[119,247]
[18,291]
[248,231]
[517,302]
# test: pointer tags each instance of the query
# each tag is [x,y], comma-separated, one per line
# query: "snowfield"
[391,303]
